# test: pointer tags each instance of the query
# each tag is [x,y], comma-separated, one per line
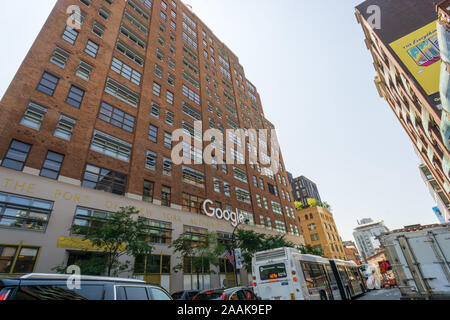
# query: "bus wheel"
[323,295]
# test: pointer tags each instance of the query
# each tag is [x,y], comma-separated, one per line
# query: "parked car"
[59,287]
[236,293]
[252,291]
[185,295]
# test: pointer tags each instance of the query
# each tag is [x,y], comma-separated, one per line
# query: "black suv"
[237,293]
[60,287]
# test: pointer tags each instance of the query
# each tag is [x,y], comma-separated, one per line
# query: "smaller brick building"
[319,230]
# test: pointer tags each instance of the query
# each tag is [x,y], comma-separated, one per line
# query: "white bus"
[349,278]
[286,274]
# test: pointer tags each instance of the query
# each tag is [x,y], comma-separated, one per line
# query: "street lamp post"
[234,247]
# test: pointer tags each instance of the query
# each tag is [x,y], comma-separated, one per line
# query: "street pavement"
[382,294]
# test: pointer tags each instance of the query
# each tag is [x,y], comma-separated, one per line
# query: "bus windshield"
[273,271]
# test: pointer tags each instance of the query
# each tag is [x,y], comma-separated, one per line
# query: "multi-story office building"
[366,236]
[320,231]
[303,188]
[402,37]
[86,128]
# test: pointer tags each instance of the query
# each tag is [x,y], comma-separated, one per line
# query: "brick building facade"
[93,109]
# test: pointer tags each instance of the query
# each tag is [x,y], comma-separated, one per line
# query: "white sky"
[315,77]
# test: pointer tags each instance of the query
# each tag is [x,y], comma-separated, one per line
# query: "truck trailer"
[419,257]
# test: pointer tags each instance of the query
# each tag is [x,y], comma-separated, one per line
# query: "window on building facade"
[48,84]
[168,140]
[167,167]
[153,133]
[280,226]
[166,196]
[193,177]
[89,218]
[315,237]
[158,231]
[75,96]
[104,179]
[17,155]
[111,146]
[59,57]
[129,53]
[148,191]
[64,128]
[169,97]
[52,165]
[126,71]
[121,92]
[156,89]
[192,203]
[70,35]
[116,117]
[154,264]
[84,71]
[195,236]
[26,213]
[243,195]
[150,160]
[33,116]
[98,29]
[18,259]
[169,117]
[91,48]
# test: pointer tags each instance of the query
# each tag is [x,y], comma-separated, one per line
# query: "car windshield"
[209,296]
[272,271]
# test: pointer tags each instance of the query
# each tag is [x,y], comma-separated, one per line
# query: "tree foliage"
[311,202]
[199,254]
[251,242]
[309,249]
[94,266]
[120,234]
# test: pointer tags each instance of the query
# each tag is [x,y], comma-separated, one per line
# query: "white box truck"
[419,257]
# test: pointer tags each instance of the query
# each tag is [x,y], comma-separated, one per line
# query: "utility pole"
[234,247]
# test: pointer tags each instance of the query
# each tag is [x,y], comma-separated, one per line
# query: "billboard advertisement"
[419,52]
[439,215]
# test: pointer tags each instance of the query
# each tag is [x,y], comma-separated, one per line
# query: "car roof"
[224,289]
[55,276]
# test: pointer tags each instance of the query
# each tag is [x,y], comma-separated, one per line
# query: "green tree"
[313,202]
[94,266]
[308,249]
[251,242]
[199,255]
[121,234]
[298,205]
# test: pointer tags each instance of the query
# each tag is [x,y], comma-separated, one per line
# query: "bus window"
[350,274]
[330,274]
[342,273]
[315,276]
[273,271]
[318,275]
[307,273]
